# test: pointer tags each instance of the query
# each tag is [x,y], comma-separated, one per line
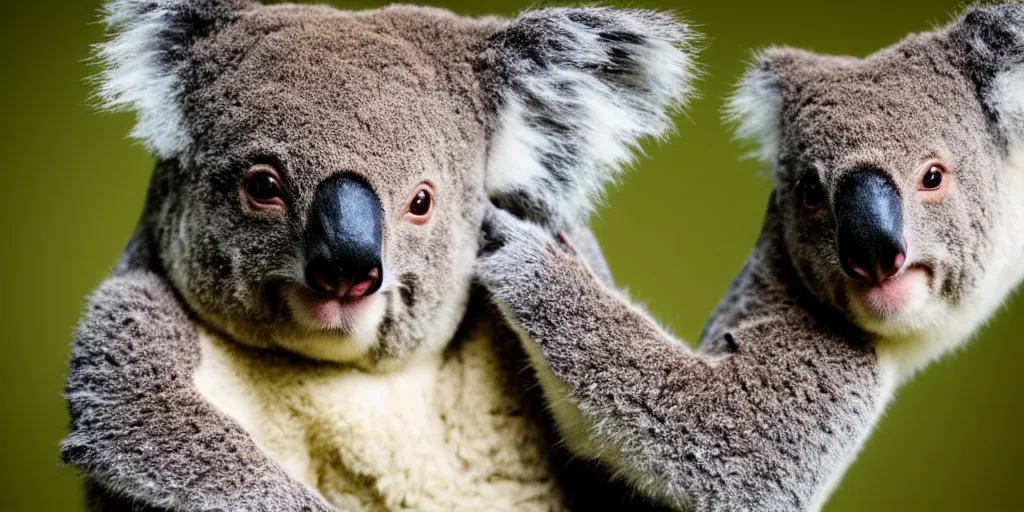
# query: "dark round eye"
[420,204]
[264,187]
[813,195]
[932,179]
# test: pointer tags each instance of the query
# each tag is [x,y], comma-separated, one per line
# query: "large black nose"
[343,238]
[870,216]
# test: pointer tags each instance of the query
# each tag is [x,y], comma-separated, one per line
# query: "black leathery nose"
[343,236]
[869,213]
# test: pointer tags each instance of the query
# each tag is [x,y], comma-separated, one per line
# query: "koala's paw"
[517,256]
[508,243]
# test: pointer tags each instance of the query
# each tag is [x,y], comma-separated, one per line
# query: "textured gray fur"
[790,378]
[397,95]
[141,431]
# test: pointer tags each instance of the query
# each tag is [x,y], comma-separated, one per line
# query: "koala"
[294,323]
[895,229]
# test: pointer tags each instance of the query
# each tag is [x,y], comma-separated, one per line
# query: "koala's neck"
[769,291]
[768,286]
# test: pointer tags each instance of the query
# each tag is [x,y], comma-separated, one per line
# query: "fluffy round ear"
[992,40]
[755,106]
[142,61]
[572,92]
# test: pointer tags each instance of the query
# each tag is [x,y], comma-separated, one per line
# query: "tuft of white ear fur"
[135,78]
[992,40]
[754,108]
[142,65]
[578,90]
[1008,99]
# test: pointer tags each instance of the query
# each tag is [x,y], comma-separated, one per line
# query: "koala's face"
[331,207]
[893,173]
[326,176]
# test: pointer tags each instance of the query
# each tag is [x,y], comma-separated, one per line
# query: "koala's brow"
[239,170]
[262,157]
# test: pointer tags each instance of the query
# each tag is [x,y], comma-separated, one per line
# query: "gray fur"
[933,96]
[397,96]
[752,422]
[141,432]
[260,84]
[789,378]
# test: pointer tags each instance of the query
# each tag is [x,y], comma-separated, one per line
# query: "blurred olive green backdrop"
[675,232]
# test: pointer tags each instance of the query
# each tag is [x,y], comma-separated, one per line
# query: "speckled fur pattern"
[141,430]
[399,96]
[789,379]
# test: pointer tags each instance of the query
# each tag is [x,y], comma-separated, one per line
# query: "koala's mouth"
[894,296]
[344,315]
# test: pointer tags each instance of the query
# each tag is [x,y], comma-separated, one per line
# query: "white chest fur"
[438,435]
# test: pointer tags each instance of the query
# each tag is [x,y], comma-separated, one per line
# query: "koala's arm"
[585,244]
[764,427]
[141,431]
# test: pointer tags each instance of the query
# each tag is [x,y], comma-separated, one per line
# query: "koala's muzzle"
[343,238]
[869,212]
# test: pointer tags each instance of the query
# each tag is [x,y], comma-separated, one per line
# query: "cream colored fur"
[438,435]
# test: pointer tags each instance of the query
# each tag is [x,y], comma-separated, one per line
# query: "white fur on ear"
[142,67]
[1007,98]
[992,40]
[577,89]
[754,108]
[136,77]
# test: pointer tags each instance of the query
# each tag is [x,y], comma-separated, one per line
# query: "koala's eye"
[932,179]
[263,187]
[421,204]
[935,183]
[812,194]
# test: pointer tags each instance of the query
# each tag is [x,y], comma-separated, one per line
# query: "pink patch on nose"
[359,289]
[897,264]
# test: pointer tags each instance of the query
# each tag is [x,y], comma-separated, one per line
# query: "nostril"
[368,286]
[327,279]
[881,269]
[360,289]
[321,277]
[887,270]
[856,271]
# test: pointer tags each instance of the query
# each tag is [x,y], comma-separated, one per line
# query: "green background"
[675,233]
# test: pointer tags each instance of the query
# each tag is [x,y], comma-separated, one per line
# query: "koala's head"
[323,174]
[898,176]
